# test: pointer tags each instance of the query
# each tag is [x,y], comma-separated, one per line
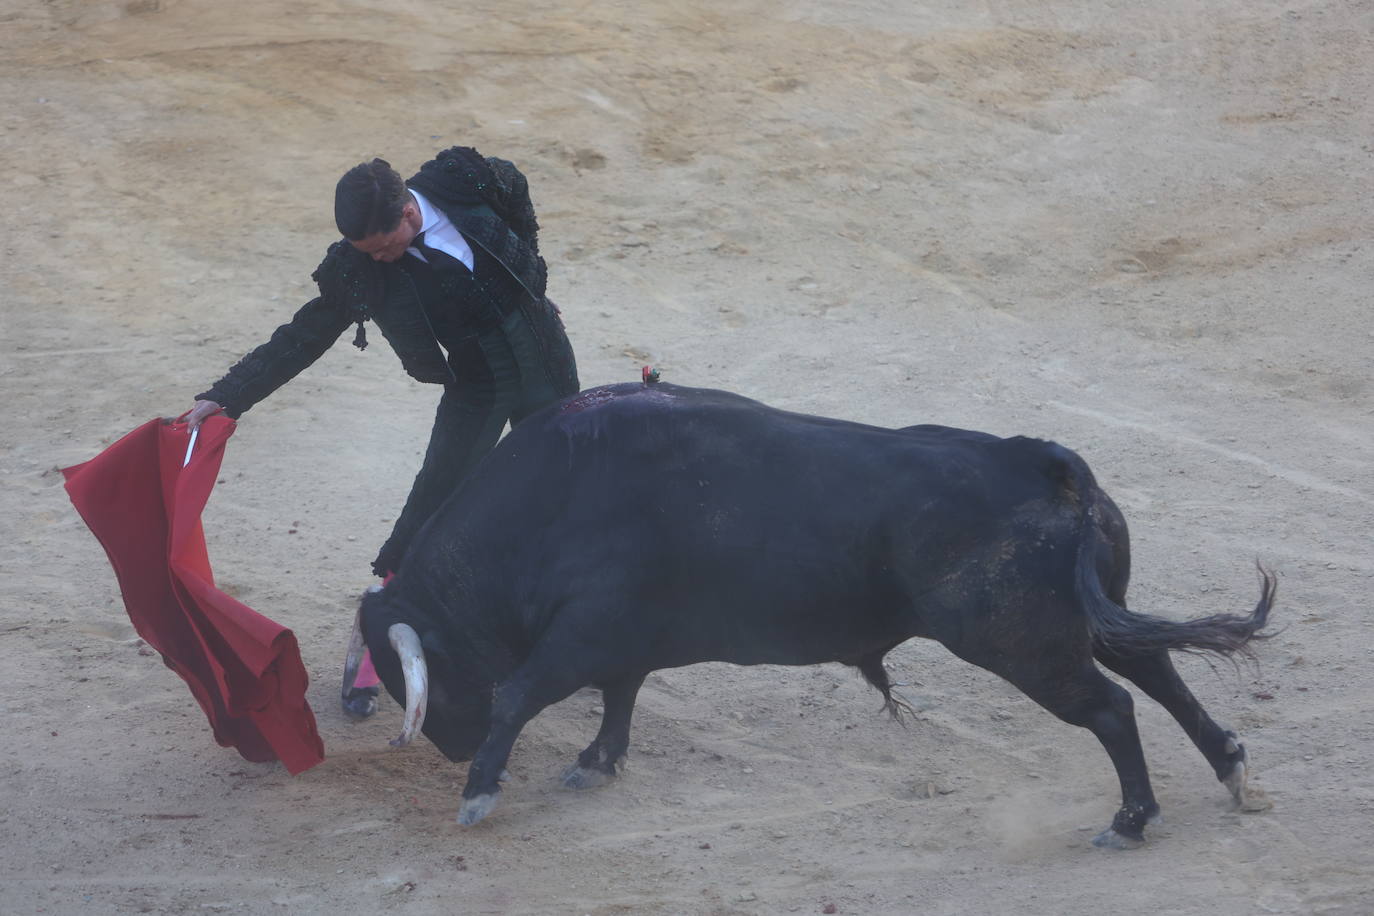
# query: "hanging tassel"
[360,339]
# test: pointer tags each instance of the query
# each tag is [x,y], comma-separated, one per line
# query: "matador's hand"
[198,413]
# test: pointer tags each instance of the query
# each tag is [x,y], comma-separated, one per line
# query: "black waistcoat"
[459,302]
[454,304]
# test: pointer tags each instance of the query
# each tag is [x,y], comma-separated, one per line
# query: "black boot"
[360,702]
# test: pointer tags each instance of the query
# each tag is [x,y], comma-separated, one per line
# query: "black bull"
[638,527]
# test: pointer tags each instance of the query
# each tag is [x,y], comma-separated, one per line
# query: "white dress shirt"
[440,232]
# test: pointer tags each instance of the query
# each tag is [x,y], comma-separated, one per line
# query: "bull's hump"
[721,410]
[604,396]
[633,397]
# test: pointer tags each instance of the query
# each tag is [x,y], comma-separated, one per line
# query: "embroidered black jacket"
[488,202]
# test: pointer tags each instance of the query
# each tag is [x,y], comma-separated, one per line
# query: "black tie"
[439,260]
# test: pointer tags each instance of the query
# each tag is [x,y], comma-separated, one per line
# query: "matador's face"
[391,246]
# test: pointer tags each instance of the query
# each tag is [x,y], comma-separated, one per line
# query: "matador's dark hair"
[369,199]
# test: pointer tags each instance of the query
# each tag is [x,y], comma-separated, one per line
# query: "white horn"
[406,642]
[354,659]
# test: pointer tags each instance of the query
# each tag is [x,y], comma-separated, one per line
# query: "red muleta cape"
[243,669]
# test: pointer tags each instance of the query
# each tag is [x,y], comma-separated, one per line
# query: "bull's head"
[441,699]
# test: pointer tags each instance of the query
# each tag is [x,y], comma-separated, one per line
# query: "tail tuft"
[1123,632]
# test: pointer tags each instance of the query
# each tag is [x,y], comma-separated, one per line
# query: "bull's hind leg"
[597,764]
[1154,673]
[1081,695]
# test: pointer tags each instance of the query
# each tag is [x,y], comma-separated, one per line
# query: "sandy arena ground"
[1141,229]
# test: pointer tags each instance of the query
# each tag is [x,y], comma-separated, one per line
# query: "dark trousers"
[504,375]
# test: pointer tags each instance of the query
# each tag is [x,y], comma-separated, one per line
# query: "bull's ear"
[373,603]
[373,618]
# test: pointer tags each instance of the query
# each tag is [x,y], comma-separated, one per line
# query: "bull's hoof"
[474,809]
[577,776]
[1110,839]
[1236,780]
[360,702]
[1248,798]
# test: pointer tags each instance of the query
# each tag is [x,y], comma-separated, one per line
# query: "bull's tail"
[1124,632]
[1127,633]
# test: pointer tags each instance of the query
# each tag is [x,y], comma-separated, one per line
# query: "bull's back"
[754,534]
[737,471]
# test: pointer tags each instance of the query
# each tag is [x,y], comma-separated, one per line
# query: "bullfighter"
[447,264]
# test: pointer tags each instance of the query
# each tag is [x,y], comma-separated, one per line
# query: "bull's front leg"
[514,703]
[510,711]
[599,762]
